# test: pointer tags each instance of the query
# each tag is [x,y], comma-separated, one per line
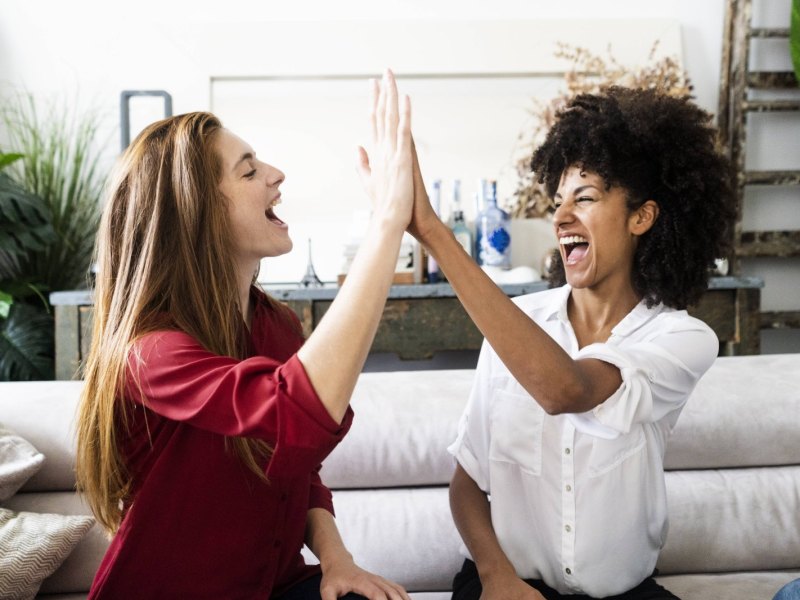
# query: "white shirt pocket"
[516,431]
[607,455]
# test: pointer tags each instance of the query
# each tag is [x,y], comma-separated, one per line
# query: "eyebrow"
[244,157]
[578,190]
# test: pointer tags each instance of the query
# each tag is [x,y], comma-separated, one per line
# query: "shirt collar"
[637,317]
[559,310]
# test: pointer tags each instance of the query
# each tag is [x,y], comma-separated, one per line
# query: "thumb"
[362,164]
[328,592]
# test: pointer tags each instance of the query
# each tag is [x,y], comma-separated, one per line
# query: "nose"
[563,214]
[275,176]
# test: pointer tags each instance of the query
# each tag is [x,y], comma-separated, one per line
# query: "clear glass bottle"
[460,230]
[494,232]
[436,202]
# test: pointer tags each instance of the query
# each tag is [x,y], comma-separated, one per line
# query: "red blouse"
[200,524]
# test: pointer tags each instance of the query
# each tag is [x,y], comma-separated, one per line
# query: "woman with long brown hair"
[205,417]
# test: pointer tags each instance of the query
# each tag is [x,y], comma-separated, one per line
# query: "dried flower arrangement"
[589,74]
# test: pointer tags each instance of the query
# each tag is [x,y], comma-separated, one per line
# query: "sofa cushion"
[732,520]
[406,535]
[19,460]
[403,424]
[77,571]
[43,412]
[728,586]
[32,546]
[743,413]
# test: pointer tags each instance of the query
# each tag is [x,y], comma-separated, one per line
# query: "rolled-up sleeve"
[657,376]
[319,494]
[174,376]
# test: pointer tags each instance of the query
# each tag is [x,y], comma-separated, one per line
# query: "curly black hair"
[655,147]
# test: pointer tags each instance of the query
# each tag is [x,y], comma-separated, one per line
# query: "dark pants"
[308,589]
[467,586]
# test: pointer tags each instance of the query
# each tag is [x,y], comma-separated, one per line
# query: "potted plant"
[50,194]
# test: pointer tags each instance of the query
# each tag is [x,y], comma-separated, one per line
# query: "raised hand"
[386,172]
[423,218]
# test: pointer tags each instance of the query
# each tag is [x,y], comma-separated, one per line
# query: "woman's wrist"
[333,557]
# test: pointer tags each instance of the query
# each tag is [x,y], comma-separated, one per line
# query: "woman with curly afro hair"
[577,388]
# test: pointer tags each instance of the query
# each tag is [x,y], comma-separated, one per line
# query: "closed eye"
[250,174]
[585,199]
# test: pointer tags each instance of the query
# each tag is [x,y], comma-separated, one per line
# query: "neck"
[245,279]
[596,313]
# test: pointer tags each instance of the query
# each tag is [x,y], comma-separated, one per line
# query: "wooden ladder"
[737,82]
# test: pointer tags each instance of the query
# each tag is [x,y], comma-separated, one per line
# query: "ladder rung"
[769,32]
[769,243]
[771,80]
[783,319]
[772,178]
[771,105]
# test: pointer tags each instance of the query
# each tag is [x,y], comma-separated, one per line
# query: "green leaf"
[7,159]
[62,166]
[6,300]
[24,227]
[26,344]
[794,38]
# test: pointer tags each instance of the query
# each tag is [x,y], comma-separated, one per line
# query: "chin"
[283,249]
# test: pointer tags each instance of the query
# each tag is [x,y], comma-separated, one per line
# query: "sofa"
[733,479]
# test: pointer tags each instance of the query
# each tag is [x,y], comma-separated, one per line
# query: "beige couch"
[733,482]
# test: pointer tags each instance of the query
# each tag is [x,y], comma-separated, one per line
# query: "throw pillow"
[33,546]
[18,462]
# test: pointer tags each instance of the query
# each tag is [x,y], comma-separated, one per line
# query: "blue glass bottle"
[480,205]
[494,232]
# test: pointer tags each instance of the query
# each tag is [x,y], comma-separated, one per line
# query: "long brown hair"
[163,249]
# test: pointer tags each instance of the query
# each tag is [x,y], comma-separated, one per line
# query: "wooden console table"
[420,320]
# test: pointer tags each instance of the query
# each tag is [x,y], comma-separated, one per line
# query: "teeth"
[275,203]
[572,239]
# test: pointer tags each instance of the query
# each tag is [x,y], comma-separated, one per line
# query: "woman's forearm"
[323,539]
[335,352]
[529,353]
[472,516]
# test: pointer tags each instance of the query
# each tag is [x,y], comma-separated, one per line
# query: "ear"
[643,218]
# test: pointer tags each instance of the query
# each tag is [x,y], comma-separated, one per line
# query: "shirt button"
[567,450]
[568,571]
[567,528]
[569,488]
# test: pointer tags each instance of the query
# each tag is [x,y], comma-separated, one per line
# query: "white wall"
[93,49]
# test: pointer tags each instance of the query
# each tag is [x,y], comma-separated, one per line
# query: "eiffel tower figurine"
[310,279]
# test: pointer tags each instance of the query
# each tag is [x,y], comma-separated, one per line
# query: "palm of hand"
[386,172]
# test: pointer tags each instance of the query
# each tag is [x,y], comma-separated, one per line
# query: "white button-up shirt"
[578,500]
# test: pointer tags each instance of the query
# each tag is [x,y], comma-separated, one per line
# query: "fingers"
[384,117]
[391,116]
[374,91]
[404,142]
[380,111]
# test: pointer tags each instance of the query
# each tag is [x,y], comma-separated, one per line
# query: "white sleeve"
[471,447]
[657,376]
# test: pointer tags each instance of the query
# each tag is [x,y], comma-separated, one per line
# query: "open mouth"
[270,212]
[575,248]
[272,217]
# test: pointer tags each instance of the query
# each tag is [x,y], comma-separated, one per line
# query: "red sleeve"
[319,495]
[257,397]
